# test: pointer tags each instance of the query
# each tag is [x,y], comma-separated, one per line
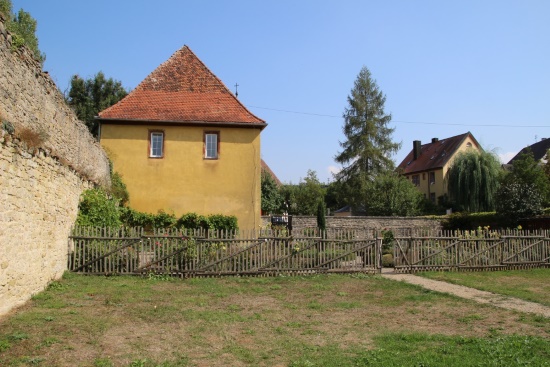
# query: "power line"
[404,122]
[453,124]
[300,113]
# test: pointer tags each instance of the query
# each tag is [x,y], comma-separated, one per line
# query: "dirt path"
[494,299]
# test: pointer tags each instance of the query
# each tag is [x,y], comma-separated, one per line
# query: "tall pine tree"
[369,146]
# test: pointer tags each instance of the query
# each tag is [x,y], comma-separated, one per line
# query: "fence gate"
[200,253]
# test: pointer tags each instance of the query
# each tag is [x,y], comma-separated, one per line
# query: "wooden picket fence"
[477,250]
[270,252]
[216,253]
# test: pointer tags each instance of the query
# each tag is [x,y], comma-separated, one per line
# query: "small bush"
[192,221]
[163,220]
[387,261]
[132,218]
[223,222]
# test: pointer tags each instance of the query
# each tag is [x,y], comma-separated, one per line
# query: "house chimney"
[435,140]
[417,147]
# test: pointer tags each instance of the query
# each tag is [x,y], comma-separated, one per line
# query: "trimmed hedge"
[470,221]
[133,218]
[99,208]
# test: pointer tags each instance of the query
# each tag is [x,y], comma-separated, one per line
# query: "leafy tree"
[335,197]
[302,199]
[368,147]
[516,200]
[272,199]
[473,180]
[22,26]
[391,194]
[307,195]
[524,190]
[526,170]
[91,96]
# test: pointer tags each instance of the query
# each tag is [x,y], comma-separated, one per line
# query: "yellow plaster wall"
[183,181]
[439,187]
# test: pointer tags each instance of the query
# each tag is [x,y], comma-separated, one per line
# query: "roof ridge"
[221,82]
[182,88]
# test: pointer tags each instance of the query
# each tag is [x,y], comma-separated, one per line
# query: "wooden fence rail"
[472,251]
[215,253]
[269,252]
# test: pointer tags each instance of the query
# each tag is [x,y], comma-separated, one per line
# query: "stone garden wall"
[47,158]
[366,223]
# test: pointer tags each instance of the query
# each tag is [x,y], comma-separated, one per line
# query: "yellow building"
[427,164]
[184,143]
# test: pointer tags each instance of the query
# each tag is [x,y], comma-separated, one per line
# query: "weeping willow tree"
[473,181]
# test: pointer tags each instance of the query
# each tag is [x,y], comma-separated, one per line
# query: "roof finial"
[236,90]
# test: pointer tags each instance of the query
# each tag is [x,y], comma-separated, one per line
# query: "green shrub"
[471,221]
[133,218]
[163,220]
[192,221]
[97,209]
[387,261]
[213,221]
[118,189]
[223,222]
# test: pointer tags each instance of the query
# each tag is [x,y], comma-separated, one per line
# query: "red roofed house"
[184,143]
[427,164]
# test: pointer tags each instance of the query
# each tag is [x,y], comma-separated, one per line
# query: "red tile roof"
[268,170]
[434,155]
[181,90]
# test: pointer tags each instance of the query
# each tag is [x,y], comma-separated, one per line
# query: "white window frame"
[211,145]
[156,145]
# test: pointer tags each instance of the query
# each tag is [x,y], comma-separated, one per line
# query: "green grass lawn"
[530,285]
[323,320]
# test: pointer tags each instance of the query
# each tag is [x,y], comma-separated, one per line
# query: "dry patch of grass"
[130,321]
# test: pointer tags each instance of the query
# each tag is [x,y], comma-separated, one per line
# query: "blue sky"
[446,67]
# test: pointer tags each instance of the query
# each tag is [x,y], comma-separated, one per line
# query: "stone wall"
[30,101]
[369,223]
[47,158]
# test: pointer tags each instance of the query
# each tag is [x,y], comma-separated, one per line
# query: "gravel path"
[494,299]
